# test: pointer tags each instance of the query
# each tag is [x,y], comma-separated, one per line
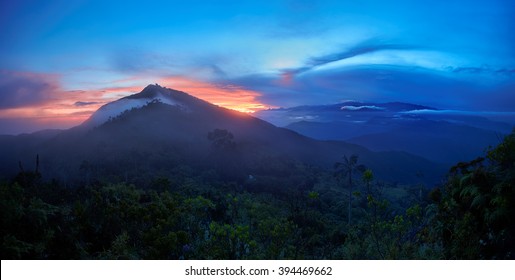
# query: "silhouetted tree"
[346,169]
[221,139]
[28,178]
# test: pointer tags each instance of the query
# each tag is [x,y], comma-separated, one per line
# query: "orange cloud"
[228,96]
[49,105]
[39,100]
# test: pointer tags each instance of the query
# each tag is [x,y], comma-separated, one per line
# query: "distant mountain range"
[347,111]
[442,136]
[160,129]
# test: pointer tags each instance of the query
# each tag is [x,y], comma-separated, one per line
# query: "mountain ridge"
[161,136]
[444,136]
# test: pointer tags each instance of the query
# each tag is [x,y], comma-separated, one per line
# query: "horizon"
[60,61]
[507,117]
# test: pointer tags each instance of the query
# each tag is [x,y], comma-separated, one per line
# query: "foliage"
[221,139]
[477,206]
[286,210]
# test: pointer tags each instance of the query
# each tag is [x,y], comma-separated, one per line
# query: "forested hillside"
[169,128]
[298,212]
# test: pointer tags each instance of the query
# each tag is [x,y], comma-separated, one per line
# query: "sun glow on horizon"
[61,107]
[227,96]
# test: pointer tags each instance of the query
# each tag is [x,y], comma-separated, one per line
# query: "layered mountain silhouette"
[160,129]
[441,136]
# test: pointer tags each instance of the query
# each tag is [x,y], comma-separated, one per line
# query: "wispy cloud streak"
[366,47]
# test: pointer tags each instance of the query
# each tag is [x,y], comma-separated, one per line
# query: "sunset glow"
[228,96]
[62,60]
[62,108]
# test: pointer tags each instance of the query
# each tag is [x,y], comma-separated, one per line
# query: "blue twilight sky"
[60,60]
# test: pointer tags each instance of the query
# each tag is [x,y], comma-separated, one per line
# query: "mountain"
[158,130]
[149,94]
[441,136]
[347,111]
[438,141]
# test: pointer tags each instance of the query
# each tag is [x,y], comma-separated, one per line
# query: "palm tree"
[347,168]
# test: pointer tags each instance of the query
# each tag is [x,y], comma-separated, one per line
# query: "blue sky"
[448,54]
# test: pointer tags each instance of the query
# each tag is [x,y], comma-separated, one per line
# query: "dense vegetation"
[294,212]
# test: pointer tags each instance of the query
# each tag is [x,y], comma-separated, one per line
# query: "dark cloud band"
[23,89]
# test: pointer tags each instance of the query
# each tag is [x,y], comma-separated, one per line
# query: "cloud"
[360,49]
[381,83]
[483,70]
[83,103]
[217,70]
[358,108]
[366,47]
[312,83]
[156,64]
[33,101]
[502,98]
[138,61]
[19,89]
[222,94]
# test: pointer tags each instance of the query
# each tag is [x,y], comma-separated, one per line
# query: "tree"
[367,178]
[346,169]
[221,139]
[477,204]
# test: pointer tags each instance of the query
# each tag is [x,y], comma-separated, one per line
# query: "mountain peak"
[151,93]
